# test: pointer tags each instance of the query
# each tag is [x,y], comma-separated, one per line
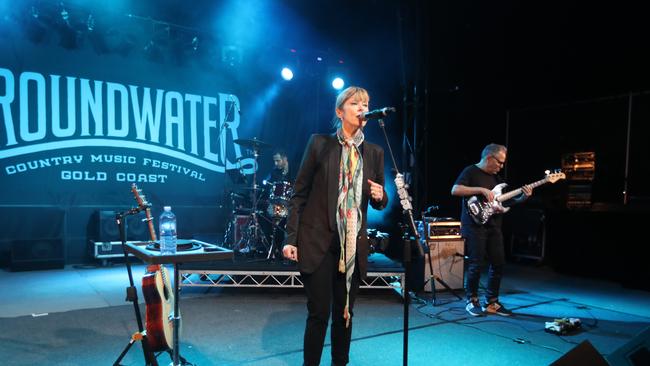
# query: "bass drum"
[281,193]
[277,210]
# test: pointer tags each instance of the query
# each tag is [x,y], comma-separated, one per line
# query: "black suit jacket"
[312,217]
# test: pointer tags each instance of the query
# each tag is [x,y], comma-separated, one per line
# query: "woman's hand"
[376,191]
[290,252]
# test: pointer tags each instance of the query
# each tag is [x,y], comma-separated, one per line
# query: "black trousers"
[326,293]
[484,243]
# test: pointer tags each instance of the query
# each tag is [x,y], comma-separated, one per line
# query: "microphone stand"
[225,125]
[409,236]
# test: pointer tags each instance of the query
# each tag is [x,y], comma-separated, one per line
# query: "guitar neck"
[516,192]
[152,235]
[152,232]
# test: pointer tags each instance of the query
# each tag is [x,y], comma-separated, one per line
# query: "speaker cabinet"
[447,261]
[108,229]
[37,254]
[582,354]
[528,238]
[135,228]
[634,353]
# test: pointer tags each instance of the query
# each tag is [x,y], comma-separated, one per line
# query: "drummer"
[279,182]
[280,172]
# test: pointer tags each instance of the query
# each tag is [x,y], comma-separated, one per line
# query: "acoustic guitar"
[157,292]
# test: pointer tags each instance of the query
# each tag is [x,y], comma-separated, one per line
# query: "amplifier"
[579,166]
[441,229]
[447,261]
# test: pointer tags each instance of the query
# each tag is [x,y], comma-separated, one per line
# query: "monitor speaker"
[37,254]
[634,353]
[447,261]
[582,354]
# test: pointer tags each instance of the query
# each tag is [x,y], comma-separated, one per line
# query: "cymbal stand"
[230,227]
[247,243]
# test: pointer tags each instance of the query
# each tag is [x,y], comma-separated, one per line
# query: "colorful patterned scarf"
[348,213]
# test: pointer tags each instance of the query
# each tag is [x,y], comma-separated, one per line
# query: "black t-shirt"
[473,176]
[277,176]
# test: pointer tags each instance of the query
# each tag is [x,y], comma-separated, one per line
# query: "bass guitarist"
[484,241]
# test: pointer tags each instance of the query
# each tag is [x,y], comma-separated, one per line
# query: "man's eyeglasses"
[501,163]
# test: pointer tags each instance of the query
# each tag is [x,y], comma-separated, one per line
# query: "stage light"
[338,83]
[65,16]
[149,46]
[195,43]
[90,23]
[231,55]
[286,73]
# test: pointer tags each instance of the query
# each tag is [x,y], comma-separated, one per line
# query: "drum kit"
[262,212]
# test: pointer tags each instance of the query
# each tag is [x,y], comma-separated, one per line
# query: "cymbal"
[253,143]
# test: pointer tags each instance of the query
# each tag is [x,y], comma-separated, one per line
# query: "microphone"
[377,113]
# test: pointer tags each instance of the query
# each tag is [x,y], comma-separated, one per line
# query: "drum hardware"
[254,144]
[257,205]
[253,235]
[277,210]
[274,248]
[281,193]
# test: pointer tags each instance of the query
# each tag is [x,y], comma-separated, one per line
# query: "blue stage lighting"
[338,83]
[286,73]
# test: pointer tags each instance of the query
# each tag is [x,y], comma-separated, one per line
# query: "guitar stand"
[132,296]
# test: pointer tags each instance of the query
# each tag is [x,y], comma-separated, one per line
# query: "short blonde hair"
[344,95]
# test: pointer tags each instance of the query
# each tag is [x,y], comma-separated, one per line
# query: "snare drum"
[281,193]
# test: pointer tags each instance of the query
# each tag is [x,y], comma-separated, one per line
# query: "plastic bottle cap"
[167,208]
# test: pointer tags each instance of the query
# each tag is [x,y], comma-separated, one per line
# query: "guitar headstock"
[139,197]
[146,206]
[555,176]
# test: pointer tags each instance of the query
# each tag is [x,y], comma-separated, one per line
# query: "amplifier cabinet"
[442,229]
[447,259]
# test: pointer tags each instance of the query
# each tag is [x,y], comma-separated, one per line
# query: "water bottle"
[167,225]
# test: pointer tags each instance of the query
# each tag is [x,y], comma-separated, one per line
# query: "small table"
[206,252]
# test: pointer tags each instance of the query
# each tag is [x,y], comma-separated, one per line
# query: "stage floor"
[78,316]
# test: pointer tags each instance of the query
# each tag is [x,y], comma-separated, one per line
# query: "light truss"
[287,279]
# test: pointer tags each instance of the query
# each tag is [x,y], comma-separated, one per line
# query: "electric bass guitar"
[157,292]
[480,210]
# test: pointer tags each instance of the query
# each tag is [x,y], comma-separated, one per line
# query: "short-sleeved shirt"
[473,176]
